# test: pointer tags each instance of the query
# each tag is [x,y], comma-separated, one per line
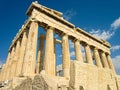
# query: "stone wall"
[89,77]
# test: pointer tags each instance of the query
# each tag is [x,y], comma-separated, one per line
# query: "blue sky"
[98,17]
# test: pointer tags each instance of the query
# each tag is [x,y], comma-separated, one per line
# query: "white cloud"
[114,48]
[116,62]
[59,56]
[71,44]
[102,34]
[72,54]
[106,34]
[56,36]
[69,14]
[116,24]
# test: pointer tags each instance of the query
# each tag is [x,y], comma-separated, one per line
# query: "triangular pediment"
[39,6]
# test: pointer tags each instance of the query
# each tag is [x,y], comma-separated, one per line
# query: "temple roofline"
[58,15]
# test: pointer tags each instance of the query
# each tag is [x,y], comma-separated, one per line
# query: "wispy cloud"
[69,14]
[116,62]
[102,34]
[106,34]
[114,48]
[116,24]
[71,44]
[59,56]
[72,54]
[56,36]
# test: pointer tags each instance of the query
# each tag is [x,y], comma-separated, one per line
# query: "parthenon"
[29,59]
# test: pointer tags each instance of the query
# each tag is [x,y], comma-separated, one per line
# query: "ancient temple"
[96,72]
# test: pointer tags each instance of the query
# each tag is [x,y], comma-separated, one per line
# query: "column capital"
[24,31]
[107,53]
[13,48]
[95,48]
[18,42]
[85,44]
[33,20]
[76,40]
[101,51]
[49,27]
[64,34]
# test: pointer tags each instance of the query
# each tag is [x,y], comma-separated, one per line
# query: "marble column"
[2,72]
[0,76]
[78,52]
[21,55]
[97,57]
[49,53]
[55,54]
[104,60]
[40,63]
[10,63]
[110,62]
[65,56]
[88,54]
[30,52]
[15,59]
[6,66]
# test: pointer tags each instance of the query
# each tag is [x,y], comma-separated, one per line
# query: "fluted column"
[110,62]
[15,59]
[40,63]
[104,60]
[6,66]
[88,54]
[97,57]
[65,56]
[10,63]
[21,55]
[2,73]
[78,52]
[0,77]
[49,53]
[30,53]
[55,55]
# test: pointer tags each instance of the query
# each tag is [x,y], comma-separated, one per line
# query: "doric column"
[40,63]
[0,76]
[49,53]
[21,54]
[78,52]
[55,54]
[15,59]
[97,57]
[2,72]
[110,63]
[65,56]
[104,59]
[30,53]
[88,54]
[10,63]
[6,67]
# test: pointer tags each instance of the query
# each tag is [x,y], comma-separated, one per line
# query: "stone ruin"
[23,71]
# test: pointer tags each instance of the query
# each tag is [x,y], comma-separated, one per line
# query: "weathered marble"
[29,67]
